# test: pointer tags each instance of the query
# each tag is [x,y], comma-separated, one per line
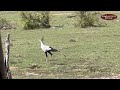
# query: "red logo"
[109,16]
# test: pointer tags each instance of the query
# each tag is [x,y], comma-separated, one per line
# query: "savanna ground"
[84,52]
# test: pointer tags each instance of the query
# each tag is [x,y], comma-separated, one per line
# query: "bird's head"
[42,38]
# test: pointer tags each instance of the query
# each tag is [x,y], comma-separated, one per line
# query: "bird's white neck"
[42,44]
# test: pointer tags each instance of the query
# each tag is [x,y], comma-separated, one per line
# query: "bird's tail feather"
[54,50]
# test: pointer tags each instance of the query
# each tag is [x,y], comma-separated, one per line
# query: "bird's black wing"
[53,49]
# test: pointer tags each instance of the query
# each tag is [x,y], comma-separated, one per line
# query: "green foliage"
[35,20]
[87,18]
[4,24]
[45,19]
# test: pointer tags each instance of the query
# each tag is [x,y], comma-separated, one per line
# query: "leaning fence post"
[7,56]
[2,65]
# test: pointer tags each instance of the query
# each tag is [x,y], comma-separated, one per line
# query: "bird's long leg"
[50,53]
[46,56]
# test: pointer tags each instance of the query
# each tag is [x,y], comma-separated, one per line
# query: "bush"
[4,24]
[87,18]
[35,20]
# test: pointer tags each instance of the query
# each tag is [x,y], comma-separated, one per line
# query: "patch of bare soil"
[13,68]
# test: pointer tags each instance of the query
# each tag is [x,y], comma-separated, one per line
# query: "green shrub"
[35,20]
[87,18]
[4,24]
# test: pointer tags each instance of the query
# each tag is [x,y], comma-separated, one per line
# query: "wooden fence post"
[2,65]
[6,58]
[5,72]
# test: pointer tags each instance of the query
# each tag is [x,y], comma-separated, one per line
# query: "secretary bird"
[47,49]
